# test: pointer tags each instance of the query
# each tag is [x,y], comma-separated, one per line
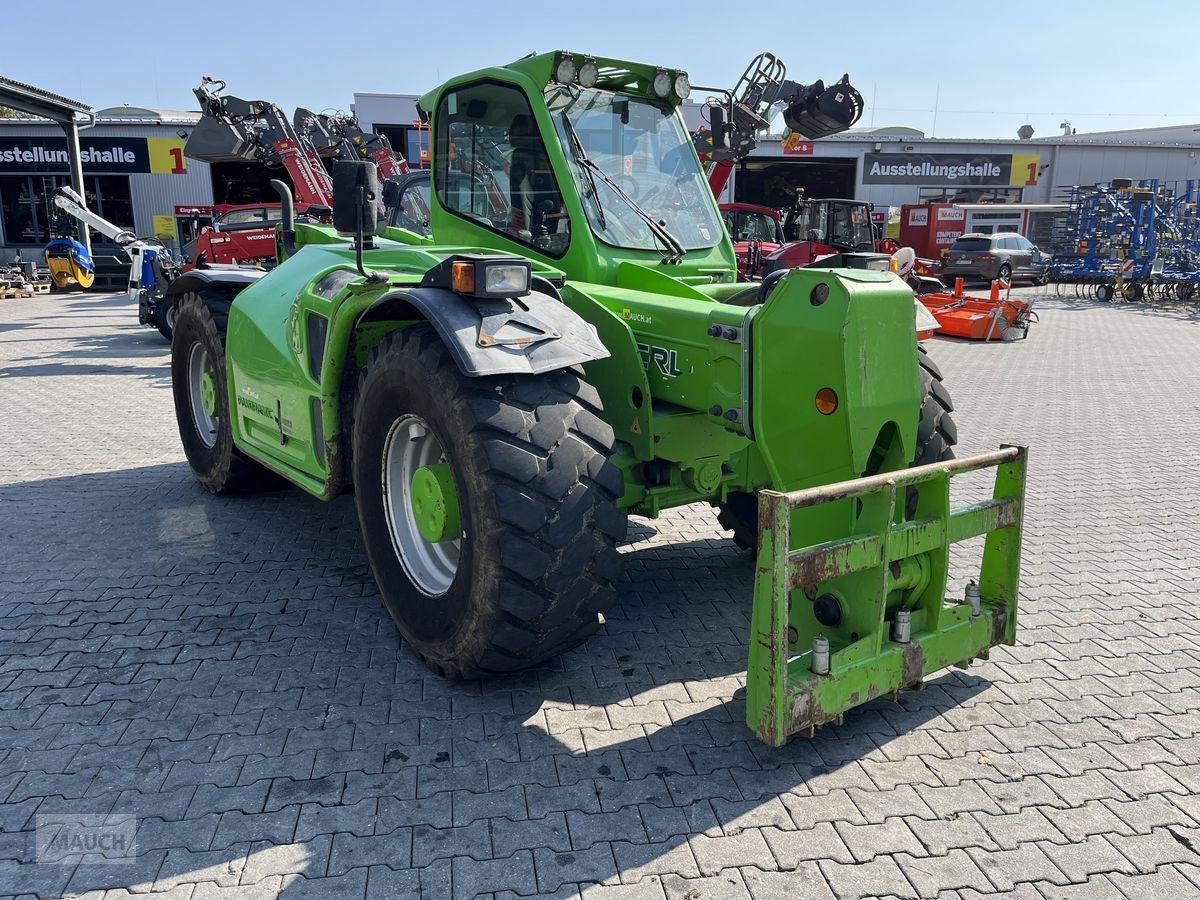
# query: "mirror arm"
[362,240]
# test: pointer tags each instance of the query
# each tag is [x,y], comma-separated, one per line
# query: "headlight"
[486,278]
[683,87]
[565,71]
[506,280]
[661,84]
[589,73]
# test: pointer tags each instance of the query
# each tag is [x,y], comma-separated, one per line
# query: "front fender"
[232,278]
[525,336]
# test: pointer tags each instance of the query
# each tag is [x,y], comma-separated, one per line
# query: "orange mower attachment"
[980,318]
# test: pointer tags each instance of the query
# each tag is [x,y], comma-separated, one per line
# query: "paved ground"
[222,669]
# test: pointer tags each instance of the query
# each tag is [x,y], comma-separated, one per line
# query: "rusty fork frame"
[890,577]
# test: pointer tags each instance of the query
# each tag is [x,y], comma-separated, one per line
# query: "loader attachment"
[889,579]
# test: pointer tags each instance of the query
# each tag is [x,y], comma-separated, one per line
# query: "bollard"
[958,286]
[820,655]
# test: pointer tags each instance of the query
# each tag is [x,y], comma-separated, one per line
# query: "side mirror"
[355,193]
[391,194]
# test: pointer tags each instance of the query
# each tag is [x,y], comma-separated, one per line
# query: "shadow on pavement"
[260,650]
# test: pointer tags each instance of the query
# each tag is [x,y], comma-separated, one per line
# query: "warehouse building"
[135,175]
[999,185]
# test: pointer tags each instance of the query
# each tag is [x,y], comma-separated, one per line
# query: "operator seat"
[536,203]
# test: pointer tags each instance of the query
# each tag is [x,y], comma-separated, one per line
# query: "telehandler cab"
[569,346]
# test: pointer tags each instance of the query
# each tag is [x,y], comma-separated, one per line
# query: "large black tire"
[936,434]
[208,444]
[739,515]
[536,561]
[165,312]
[936,437]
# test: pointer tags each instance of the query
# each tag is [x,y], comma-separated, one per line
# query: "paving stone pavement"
[223,670]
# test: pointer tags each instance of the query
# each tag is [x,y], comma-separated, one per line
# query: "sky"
[979,69]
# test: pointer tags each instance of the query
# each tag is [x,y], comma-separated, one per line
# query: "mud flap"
[802,674]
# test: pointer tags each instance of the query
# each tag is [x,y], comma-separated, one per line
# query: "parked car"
[1005,255]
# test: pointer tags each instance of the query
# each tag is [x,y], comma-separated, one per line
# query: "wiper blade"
[586,164]
[674,249]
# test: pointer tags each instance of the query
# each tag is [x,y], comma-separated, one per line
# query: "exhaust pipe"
[287,215]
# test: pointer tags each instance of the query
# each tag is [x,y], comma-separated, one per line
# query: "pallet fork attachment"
[895,572]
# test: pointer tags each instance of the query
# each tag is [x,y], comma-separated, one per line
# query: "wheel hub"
[435,502]
[202,394]
[208,394]
[421,505]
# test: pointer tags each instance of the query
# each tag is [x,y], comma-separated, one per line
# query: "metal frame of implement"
[894,568]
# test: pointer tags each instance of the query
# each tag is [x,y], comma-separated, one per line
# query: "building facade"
[135,175]
[890,167]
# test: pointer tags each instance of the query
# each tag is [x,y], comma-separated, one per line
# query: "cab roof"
[614,75]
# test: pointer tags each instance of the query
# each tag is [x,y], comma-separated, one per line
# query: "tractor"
[568,346]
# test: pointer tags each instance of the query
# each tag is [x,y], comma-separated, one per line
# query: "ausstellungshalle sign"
[99,155]
[932,169]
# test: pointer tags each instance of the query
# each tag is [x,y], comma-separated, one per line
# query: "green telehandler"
[571,346]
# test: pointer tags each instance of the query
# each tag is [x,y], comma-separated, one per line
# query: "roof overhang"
[37,102]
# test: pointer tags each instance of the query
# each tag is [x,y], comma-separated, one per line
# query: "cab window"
[257,216]
[412,212]
[492,167]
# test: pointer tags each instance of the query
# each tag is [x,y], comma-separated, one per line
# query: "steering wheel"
[628,184]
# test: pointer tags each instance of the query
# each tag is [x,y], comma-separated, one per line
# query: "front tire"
[528,565]
[200,388]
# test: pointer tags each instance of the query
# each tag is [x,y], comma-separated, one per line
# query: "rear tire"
[165,313]
[936,437]
[535,561]
[1004,273]
[936,432]
[198,350]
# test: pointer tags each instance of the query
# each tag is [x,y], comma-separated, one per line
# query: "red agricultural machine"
[232,129]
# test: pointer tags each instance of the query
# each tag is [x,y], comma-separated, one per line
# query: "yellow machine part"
[66,273]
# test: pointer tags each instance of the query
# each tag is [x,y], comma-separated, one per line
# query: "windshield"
[833,222]
[646,151]
[751,225]
[850,226]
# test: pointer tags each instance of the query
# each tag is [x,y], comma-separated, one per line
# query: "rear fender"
[530,335]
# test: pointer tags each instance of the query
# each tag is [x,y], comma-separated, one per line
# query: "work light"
[565,71]
[661,84]
[683,87]
[589,73]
